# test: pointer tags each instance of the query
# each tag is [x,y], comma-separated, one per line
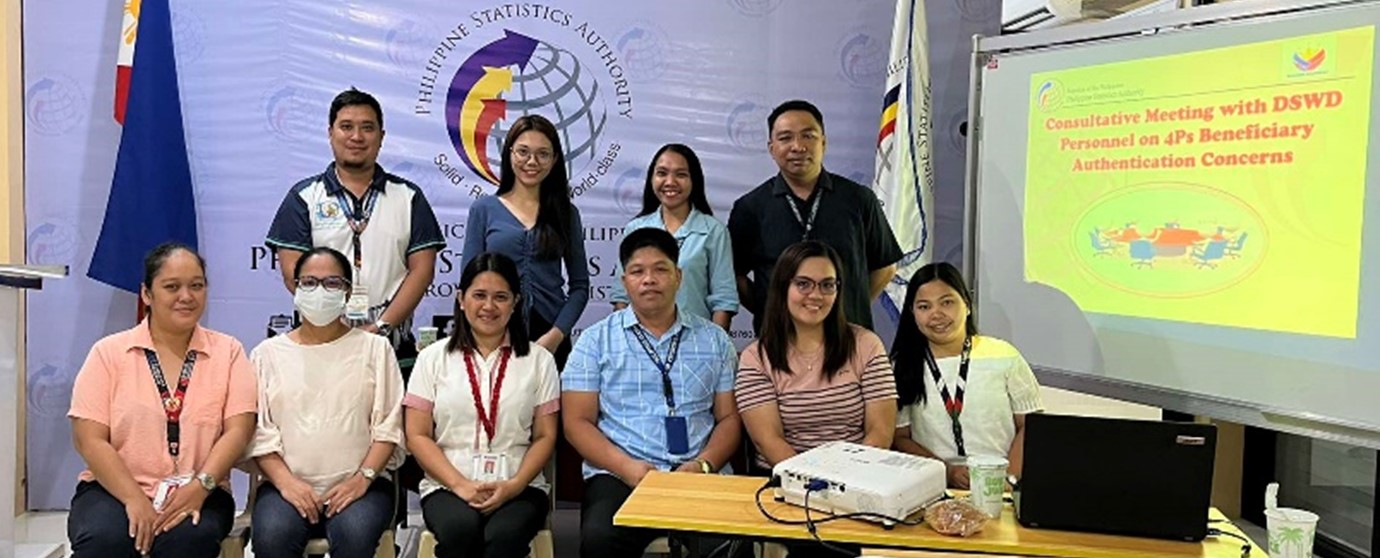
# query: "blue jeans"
[99,527]
[279,532]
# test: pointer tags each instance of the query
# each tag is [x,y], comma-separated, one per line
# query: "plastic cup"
[987,483]
[425,336]
[1291,532]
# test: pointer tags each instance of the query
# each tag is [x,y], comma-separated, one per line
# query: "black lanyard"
[664,367]
[953,404]
[358,220]
[814,210]
[172,402]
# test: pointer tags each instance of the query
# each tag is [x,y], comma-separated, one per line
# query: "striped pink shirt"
[815,410]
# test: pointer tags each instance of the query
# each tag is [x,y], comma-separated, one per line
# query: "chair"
[1212,252]
[233,546]
[1234,249]
[1142,253]
[1099,247]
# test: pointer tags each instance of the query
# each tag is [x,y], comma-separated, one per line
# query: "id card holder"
[677,435]
[165,489]
[357,306]
[490,467]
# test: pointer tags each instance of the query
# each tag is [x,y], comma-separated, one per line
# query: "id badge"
[357,306]
[166,488]
[677,435]
[490,467]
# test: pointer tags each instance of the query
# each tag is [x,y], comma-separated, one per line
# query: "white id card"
[166,488]
[357,306]
[490,467]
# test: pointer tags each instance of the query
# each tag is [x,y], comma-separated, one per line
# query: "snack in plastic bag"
[955,517]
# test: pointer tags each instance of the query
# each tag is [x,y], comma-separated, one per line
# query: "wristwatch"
[368,473]
[705,466]
[385,328]
[206,481]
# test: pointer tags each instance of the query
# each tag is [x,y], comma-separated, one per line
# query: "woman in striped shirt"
[812,377]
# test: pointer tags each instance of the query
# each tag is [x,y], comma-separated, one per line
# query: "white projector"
[858,478]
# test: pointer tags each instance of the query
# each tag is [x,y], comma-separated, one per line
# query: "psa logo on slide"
[1049,96]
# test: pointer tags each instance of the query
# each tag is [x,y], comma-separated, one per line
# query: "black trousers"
[461,531]
[98,527]
[599,537]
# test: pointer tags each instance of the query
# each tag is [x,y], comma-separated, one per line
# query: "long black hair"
[554,209]
[698,200]
[910,349]
[462,338]
[778,329]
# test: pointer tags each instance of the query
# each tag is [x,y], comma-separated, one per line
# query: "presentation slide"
[1157,190]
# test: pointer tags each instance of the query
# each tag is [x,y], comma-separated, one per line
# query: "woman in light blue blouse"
[531,220]
[674,200]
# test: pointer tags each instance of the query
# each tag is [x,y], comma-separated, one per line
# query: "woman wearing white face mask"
[330,424]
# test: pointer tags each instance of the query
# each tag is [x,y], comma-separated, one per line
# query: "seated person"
[941,363]
[330,423]
[159,413]
[647,388]
[481,420]
[812,377]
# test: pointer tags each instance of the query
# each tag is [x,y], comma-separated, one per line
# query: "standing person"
[648,388]
[805,202]
[482,416]
[942,363]
[330,424]
[674,200]
[531,220]
[159,413]
[380,221]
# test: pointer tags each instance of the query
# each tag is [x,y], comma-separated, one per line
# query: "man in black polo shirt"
[804,201]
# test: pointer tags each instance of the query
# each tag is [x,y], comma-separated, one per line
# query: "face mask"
[319,306]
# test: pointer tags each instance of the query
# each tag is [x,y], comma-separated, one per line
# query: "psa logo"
[1050,96]
[1309,59]
[328,210]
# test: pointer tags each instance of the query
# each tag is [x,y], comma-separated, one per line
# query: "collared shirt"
[402,223]
[706,261]
[115,388]
[850,220]
[441,385]
[322,406]
[609,359]
[1000,385]
[491,227]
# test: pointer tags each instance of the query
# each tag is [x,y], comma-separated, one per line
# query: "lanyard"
[489,420]
[358,221]
[663,366]
[814,210]
[172,402]
[953,404]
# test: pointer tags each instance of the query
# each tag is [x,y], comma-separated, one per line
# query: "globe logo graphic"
[515,76]
[747,126]
[52,244]
[406,44]
[643,48]
[187,30]
[628,191]
[290,115]
[50,391]
[862,61]
[54,105]
[754,7]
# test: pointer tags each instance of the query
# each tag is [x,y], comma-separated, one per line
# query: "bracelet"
[705,466]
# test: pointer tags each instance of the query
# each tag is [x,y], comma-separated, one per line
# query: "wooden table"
[725,505]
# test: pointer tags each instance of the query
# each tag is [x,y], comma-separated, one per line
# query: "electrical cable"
[776,482]
[1246,543]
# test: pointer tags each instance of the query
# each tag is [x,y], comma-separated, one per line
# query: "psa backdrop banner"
[620,78]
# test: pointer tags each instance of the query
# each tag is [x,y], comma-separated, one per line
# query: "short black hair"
[793,104]
[154,260]
[353,97]
[648,238]
[339,258]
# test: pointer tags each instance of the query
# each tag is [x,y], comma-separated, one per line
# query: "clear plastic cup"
[1291,532]
[987,483]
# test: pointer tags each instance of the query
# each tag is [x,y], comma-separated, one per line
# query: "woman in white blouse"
[329,426]
[961,394]
[481,420]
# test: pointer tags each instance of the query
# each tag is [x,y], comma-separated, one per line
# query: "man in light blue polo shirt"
[647,388]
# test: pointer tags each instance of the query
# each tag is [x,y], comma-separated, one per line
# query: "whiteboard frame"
[1218,15]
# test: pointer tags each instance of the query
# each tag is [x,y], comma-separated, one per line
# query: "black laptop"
[1125,477]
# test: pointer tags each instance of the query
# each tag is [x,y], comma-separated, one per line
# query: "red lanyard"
[489,420]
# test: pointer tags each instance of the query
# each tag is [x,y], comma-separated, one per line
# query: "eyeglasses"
[524,154]
[806,285]
[334,283]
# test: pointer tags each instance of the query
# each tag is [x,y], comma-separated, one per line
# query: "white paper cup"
[425,336]
[1291,532]
[987,483]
